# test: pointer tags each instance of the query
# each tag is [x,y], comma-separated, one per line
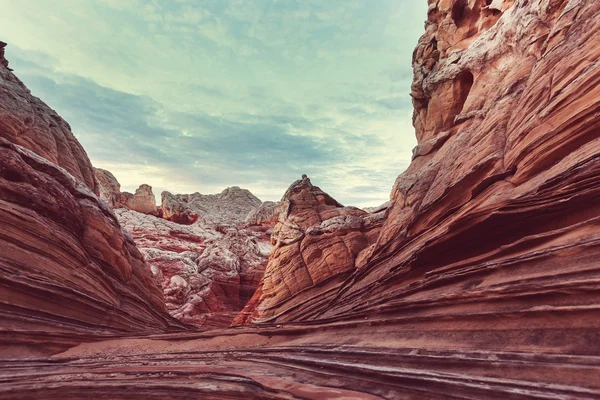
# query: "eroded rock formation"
[483,279]
[68,271]
[316,243]
[491,239]
[207,272]
[142,200]
[265,214]
[230,207]
[208,267]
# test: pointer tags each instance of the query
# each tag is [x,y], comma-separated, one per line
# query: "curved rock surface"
[494,252]
[27,121]
[483,280]
[208,270]
[68,271]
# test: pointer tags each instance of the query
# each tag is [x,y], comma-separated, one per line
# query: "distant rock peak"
[3,60]
[110,191]
[230,207]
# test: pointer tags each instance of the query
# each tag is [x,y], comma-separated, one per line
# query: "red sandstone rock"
[109,187]
[141,201]
[316,243]
[68,272]
[26,121]
[208,268]
[490,244]
[482,283]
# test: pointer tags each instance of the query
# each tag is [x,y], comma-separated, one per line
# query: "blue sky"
[190,95]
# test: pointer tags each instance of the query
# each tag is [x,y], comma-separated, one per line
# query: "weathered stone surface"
[141,201]
[207,272]
[490,243]
[110,191]
[230,207]
[26,121]
[67,271]
[208,268]
[109,188]
[316,243]
[266,214]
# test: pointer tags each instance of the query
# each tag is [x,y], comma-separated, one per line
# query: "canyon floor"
[362,359]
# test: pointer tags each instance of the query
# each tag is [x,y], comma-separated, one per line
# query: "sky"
[196,96]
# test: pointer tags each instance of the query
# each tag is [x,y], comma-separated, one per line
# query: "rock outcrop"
[68,271]
[207,273]
[209,267]
[142,200]
[316,243]
[230,207]
[491,239]
[265,214]
[26,121]
[109,188]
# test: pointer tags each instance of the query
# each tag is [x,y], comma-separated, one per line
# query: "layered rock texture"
[229,207]
[479,279]
[490,243]
[265,214]
[68,271]
[316,243]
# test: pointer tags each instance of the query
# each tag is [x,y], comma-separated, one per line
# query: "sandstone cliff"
[69,272]
[491,239]
[316,243]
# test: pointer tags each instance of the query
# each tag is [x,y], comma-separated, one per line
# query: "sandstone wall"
[68,271]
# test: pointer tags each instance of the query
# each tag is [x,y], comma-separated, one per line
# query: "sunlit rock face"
[68,271]
[316,242]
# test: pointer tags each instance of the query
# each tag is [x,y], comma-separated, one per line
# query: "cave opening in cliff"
[461,88]
[459,10]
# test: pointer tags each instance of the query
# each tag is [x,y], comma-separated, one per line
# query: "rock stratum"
[478,280]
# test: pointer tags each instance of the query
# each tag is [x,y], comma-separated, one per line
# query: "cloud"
[196,96]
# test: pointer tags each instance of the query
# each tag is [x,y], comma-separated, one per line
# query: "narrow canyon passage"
[478,279]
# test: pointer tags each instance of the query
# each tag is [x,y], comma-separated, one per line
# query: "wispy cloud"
[199,95]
